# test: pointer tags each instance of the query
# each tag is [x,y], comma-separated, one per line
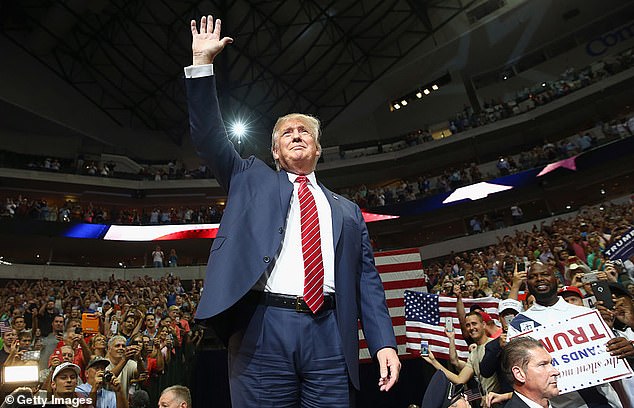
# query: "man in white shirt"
[291,270]
[550,309]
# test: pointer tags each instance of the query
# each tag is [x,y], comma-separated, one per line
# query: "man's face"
[19,324]
[475,327]
[67,354]
[92,372]
[505,317]
[65,382]
[540,377]
[168,400]
[58,324]
[572,299]
[117,349]
[9,337]
[295,147]
[173,314]
[129,323]
[542,283]
[150,321]
[50,305]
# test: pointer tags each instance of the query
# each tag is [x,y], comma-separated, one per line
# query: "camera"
[107,376]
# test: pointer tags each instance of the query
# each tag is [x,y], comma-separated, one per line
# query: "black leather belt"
[296,303]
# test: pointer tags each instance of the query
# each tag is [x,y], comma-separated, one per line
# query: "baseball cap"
[97,360]
[510,304]
[64,366]
[570,290]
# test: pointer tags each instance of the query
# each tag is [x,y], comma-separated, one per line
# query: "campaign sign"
[578,348]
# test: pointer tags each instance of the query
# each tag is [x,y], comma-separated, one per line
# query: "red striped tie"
[311,247]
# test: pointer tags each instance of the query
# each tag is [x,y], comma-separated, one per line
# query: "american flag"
[399,270]
[425,316]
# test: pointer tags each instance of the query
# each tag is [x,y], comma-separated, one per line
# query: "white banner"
[578,348]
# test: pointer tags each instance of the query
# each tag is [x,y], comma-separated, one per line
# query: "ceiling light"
[404,102]
[419,94]
[397,106]
[434,87]
[426,91]
[238,129]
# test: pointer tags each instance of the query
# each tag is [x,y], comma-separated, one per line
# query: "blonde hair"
[312,125]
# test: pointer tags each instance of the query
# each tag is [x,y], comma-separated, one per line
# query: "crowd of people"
[568,245]
[118,336]
[542,277]
[571,80]
[75,211]
[451,178]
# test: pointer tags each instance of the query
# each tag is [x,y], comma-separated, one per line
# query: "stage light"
[404,102]
[426,91]
[602,192]
[434,87]
[568,207]
[419,94]
[544,84]
[505,77]
[238,129]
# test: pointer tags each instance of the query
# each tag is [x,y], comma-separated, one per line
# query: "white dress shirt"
[287,275]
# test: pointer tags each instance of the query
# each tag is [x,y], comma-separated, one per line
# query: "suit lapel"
[336,214]
[286,191]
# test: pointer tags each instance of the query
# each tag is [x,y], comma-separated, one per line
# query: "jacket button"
[266,259]
[281,230]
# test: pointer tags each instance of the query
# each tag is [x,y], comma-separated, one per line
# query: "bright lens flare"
[238,129]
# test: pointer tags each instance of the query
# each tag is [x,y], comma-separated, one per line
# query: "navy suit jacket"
[515,402]
[251,232]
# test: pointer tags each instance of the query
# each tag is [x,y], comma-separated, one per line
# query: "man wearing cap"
[64,380]
[490,364]
[550,309]
[97,388]
[572,295]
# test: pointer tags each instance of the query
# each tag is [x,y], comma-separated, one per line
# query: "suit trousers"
[282,358]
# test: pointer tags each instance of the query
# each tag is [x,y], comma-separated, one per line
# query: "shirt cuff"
[199,71]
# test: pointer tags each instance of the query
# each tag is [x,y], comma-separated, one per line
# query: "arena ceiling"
[126,56]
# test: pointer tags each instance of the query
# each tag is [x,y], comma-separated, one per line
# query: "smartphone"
[589,277]
[602,292]
[449,324]
[114,327]
[521,266]
[99,309]
[424,348]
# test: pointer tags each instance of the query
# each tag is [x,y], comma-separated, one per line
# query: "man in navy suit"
[529,368]
[283,350]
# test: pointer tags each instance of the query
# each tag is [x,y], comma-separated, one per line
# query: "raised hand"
[206,42]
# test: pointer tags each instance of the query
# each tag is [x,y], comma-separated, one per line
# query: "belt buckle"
[298,304]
